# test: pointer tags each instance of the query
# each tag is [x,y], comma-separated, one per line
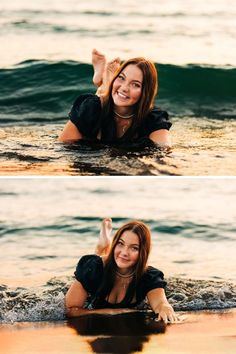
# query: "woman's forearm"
[77,311]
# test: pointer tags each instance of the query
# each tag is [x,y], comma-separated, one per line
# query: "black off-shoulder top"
[86,115]
[89,272]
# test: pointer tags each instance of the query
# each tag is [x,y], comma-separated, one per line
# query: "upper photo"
[127,88]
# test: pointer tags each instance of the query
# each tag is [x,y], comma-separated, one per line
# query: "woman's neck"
[123,111]
[124,272]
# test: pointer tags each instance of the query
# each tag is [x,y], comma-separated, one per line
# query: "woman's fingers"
[161,316]
[172,318]
[167,317]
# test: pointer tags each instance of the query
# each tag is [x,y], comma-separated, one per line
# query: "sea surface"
[45,64]
[47,224]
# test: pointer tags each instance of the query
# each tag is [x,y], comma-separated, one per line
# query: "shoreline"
[201,332]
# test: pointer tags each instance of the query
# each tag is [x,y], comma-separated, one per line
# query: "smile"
[123,259]
[121,95]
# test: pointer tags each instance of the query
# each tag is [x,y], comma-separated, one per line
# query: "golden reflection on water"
[202,332]
[200,147]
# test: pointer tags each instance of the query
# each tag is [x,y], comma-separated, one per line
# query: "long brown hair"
[149,91]
[144,236]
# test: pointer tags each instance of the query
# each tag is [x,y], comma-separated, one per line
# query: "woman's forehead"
[133,72]
[130,237]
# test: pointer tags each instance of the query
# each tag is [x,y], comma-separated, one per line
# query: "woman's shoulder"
[89,272]
[85,114]
[90,260]
[88,266]
[157,111]
[157,119]
[151,272]
[86,101]
[151,279]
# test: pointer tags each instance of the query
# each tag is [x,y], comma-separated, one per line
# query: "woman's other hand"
[167,314]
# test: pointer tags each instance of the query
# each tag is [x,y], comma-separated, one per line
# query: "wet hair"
[144,236]
[148,93]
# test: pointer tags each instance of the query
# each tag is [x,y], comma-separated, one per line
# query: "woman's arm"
[70,133]
[159,304]
[161,137]
[75,299]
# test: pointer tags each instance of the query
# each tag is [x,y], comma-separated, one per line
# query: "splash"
[46,303]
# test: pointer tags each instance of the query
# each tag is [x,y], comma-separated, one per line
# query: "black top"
[86,115]
[89,272]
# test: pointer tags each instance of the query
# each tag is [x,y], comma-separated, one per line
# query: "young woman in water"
[117,277]
[122,110]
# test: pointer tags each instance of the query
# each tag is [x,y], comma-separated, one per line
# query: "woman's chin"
[123,264]
[118,102]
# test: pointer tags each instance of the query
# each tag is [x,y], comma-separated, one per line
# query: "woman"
[121,278]
[122,111]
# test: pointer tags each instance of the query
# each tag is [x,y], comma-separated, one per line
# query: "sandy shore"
[201,332]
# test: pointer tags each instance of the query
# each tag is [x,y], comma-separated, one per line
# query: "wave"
[218,232]
[119,11]
[46,302]
[37,91]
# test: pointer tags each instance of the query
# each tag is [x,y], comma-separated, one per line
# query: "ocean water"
[46,64]
[171,31]
[46,225]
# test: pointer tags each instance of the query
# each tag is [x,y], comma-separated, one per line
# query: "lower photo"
[117,265]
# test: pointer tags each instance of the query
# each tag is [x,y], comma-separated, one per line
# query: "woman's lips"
[123,259]
[122,96]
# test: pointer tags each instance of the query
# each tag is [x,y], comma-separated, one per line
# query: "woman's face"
[126,252]
[127,87]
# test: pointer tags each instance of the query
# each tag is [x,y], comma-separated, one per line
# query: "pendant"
[124,128]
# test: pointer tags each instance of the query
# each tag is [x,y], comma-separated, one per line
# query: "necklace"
[123,117]
[124,275]
[125,279]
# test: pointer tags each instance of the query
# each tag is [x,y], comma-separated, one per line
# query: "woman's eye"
[135,249]
[121,77]
[136,85]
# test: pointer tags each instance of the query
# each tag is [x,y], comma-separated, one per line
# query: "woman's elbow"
[161,138]
[163,145]
[71,309]
[68,139]
[70,133]
[74,311]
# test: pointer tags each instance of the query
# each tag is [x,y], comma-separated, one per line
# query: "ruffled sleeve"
[153,278]
[157,120]
[89,272]
[85,114]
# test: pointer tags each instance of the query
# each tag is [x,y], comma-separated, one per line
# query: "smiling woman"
[122,110]
[120,280]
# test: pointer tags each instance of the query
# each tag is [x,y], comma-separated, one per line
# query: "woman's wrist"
[163,305]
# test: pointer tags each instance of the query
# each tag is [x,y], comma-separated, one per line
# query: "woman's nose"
[125,87]
[124,251]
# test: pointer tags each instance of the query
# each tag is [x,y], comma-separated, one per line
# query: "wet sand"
[201,332]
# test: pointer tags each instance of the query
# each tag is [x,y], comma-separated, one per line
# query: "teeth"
[121,95]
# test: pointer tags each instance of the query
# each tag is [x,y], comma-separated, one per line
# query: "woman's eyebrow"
[137,81]
[133,244]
